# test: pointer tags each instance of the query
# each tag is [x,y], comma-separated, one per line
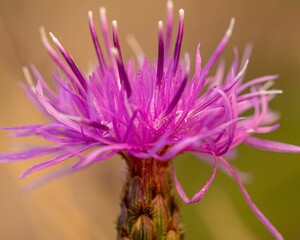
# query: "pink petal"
[256,211]
[200,194]
[272,145]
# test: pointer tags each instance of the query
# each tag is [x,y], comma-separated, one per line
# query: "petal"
[97,155]
[220,48]
[70,153]
[272,145]
[188,141]
[209,159]
[200,194]
[44,179]
[28,154]
[253,207]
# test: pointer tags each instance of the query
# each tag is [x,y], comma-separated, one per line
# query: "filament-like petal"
[272,145]
[254,208]
[200,194]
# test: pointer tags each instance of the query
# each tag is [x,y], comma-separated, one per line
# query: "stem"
[148,208]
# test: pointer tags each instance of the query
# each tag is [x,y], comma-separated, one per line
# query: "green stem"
[148,207]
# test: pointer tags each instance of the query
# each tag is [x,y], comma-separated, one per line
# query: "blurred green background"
[85,205]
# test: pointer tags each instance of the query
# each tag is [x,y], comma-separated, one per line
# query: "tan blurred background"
[85,205]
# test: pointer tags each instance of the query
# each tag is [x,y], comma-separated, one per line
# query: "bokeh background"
[85,205]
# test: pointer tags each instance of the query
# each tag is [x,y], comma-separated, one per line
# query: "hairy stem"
[148,207]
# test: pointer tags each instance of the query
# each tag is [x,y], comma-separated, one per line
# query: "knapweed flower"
[150,113]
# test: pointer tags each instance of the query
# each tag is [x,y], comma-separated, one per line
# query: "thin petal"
[96,155]
[209,159]
[28,154]
[73,152]
[200,194]
[47,178]
[253,207]
[272,145]
[220,48]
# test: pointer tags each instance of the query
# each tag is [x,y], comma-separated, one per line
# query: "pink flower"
[152,110]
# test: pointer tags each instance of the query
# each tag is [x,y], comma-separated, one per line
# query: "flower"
[157,111]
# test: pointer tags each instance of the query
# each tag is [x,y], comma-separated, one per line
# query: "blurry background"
[85,205]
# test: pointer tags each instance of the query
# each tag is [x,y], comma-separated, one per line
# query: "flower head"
[153,110]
